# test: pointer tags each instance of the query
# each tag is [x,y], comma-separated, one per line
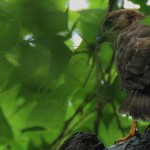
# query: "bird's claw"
[133,132]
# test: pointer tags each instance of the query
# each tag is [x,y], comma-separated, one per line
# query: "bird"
[131,39]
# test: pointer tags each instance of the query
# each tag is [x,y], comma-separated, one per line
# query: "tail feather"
[146,107]
[124,107]
[137,104]
[140,108]
[134,108]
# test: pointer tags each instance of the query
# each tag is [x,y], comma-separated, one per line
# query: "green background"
[49,88]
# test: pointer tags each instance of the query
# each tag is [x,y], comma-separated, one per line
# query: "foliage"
[50,89]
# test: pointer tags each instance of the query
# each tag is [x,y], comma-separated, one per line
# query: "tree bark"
[87,141]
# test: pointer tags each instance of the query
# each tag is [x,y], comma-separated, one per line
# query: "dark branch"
[87,141]
[82,141]
[111,5]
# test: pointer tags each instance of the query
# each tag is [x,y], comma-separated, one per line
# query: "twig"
[89,74]
[117,118]
[71,129]
[80,52]
[99,77]
[110,99]
[108,70]
[99,70]
[81,119]
[111,5]
[67,123]
[122,5]
[80,108]
[110,63]
[97,120]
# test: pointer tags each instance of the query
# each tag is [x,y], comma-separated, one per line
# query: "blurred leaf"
[89,24]
[146,20]
[33,64]
[49,20]
[107,115]
[45,114]
[143,7]
[60,57]
[32,129]
[5,129]
[113,130]
[48,109]
[74,17]
[106,53]
[98,4]
[77,71]
[116,92]
[6,72]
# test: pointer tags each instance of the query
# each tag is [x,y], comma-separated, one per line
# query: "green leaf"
[33,65]
[5,129]
[106,53]
[146,20]
[49,20]
[116,92]
[6,71]
[47,111]
[98,4]
[32,129]
[89,24]
[143,7]
[77,71]
[61,56]
[113,130]
[107,115]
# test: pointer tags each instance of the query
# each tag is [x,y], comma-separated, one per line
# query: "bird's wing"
[134,59]
[137,62]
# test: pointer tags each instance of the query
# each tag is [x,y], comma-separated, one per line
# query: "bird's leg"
[133,132]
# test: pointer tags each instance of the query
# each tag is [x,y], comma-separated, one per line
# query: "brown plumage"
[132,58]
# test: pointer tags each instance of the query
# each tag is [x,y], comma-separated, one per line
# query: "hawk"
[132,59]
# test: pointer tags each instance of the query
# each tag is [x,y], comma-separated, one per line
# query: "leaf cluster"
[49,87]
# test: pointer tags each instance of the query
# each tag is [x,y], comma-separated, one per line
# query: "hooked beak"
[100,39]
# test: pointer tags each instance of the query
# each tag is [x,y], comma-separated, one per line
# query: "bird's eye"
[110,22]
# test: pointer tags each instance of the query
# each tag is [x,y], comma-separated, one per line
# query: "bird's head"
[115,22]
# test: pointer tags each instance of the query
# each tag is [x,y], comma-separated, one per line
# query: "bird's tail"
[137,105]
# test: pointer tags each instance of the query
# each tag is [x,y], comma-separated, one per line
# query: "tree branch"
[83,141]
[111,5]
